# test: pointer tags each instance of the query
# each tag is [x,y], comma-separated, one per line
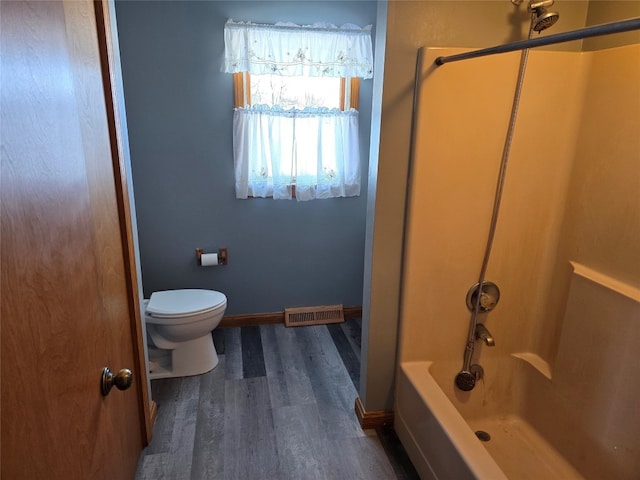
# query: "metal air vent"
[295,317]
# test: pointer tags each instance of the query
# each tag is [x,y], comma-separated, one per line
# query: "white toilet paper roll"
[209,259]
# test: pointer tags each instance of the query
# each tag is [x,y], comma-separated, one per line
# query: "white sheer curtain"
[269,146]
[315,149]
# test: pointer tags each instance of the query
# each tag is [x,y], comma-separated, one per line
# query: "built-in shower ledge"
[535,361]
[618,286]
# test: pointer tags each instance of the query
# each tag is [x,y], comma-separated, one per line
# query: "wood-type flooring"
[279,405]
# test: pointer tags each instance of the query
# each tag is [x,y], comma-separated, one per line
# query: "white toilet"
[179,325]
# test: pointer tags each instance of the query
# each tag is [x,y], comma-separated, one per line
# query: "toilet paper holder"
[222,256]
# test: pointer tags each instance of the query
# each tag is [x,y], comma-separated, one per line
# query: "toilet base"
[194,357]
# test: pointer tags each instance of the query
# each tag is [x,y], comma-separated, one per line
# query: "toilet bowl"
[179,325]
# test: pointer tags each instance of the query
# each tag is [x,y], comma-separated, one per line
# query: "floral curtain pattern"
[319,50]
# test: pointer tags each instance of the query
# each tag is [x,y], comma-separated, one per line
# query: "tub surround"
[542,426]
[565,257]
[461,123]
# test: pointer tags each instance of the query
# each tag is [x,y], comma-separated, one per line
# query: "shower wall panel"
[461,124]
[601,226]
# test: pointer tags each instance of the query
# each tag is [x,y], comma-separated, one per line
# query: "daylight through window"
[295,92]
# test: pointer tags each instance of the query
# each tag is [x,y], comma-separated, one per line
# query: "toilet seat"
[184,303]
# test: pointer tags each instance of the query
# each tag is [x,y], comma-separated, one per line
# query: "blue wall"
[179,109]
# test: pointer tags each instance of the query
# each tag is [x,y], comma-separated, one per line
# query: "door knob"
[122,380]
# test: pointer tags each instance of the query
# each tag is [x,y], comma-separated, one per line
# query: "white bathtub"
[537,431]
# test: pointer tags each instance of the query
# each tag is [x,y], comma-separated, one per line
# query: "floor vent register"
[296,317]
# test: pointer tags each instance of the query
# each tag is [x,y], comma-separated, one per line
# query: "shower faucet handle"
[488,301]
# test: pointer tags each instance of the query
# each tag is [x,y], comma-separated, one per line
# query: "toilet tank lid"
[186,301]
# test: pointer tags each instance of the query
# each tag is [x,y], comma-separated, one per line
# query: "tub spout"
[485,335]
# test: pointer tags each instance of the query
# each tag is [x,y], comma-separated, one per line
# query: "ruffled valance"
[318,50]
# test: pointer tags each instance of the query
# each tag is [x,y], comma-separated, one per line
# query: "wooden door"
[68,295]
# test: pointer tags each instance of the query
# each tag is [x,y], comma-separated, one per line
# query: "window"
[296,92]
[296,98]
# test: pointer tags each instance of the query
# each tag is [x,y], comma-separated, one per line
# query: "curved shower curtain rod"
[595,31]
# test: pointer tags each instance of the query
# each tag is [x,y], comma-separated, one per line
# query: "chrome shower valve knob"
[489,297]
[487,302]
